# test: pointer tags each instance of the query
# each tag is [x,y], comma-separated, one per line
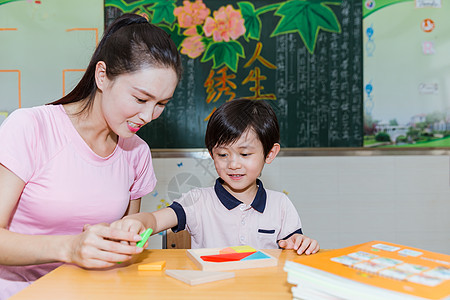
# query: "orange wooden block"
[154,266]
[227,250]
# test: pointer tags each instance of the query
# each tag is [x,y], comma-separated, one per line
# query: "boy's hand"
[300,243]
[130,225]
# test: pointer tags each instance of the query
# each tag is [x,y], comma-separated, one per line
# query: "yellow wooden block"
[243,249]
[154,266]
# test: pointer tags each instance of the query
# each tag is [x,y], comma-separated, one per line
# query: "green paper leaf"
[163,11]
[252,22]
[224,53]
[306,18]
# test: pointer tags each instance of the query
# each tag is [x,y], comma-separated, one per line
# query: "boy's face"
[239,164]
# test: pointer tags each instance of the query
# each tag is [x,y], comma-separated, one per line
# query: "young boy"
[242,135]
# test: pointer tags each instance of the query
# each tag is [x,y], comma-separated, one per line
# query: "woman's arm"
[11,186]
[94,248]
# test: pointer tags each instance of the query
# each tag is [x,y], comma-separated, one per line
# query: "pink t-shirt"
[67,184]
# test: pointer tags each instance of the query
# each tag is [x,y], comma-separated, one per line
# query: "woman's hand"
[100,246]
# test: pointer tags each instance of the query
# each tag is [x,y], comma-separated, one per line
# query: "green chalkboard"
[304,57]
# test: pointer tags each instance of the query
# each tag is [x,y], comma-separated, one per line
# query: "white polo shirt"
[215,218]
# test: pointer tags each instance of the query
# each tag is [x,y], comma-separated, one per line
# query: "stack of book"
[373,270]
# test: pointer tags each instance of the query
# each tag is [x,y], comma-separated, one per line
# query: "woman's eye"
[140,100]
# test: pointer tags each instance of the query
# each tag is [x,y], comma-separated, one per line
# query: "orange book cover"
[389,266]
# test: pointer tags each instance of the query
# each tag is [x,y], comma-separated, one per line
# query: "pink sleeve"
[145,179]
[18,143]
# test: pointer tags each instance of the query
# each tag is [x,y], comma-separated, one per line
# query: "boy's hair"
[235,117]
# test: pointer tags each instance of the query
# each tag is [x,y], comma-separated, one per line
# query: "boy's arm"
[292,231]
[162,219]
[158,221]
[300,243]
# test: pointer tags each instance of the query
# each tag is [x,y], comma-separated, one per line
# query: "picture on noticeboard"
[406,74]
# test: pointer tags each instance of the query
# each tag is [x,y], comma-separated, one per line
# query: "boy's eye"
[221,154]
[245,154]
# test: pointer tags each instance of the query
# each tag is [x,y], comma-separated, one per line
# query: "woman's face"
[134,99]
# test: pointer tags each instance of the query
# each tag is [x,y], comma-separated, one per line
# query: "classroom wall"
[45,47]
[342,200]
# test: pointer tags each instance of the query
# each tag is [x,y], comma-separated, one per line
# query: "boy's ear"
[100,75]
[273,153]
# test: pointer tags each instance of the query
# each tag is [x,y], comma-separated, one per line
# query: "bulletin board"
[303,57]
[406,73]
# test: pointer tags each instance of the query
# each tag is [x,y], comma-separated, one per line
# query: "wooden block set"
[211,261]
[231,258]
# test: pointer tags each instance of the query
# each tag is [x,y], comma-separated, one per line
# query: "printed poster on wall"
[406,48]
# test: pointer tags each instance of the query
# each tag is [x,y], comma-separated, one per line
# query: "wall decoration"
[45,47]
[406,99]
[303,57]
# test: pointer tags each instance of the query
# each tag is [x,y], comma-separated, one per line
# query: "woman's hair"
[235,117]
[129,44]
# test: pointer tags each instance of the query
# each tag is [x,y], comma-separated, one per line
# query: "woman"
[78,161]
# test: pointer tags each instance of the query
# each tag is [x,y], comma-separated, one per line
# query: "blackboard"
[314,83]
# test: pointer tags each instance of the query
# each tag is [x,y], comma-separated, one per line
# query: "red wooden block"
[226,257]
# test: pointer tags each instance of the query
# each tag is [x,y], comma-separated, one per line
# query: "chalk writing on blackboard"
[311,75]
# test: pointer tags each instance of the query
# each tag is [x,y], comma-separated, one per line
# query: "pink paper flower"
[192,46]
[227,24]
[191,13]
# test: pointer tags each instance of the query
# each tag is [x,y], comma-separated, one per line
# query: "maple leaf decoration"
[224,53]
[306,18]
[163,11]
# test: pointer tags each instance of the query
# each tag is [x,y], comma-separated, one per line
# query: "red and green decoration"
[213,35]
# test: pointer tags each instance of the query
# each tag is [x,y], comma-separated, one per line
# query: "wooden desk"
[126,282]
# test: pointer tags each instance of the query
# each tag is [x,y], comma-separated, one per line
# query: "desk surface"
[126,282]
